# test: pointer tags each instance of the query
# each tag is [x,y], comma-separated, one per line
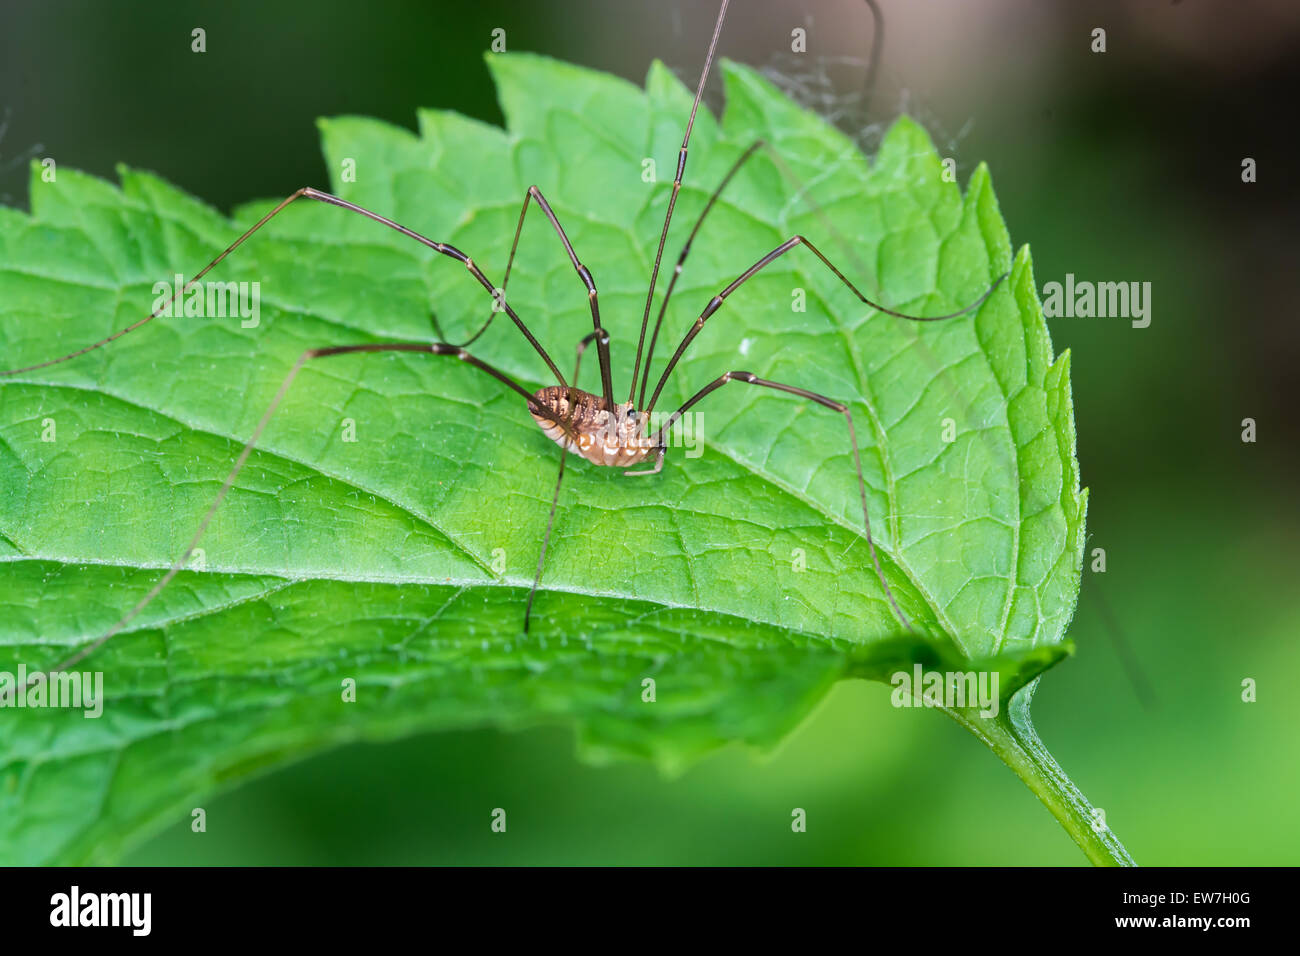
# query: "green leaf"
[378,560]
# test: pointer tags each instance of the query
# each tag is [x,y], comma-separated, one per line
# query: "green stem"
[1012,737]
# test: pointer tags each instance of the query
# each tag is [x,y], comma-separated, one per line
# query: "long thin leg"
[658,465]
[681,260]
[869,87]
[801,188]
[601,338]
[316,194]
[22,157]
[546,539]
[435,348]
[716,302]
[877,47]
[749,378]
[1123,648]
[672,198]
[602,345]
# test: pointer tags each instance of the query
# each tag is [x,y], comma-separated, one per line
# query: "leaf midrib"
[315,470]
[505,581]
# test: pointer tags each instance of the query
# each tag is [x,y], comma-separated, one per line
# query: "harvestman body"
[579,421]
[602,431]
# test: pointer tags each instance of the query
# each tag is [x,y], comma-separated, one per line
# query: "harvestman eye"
[602,431]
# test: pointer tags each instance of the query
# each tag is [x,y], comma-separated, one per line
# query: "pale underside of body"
[584,423]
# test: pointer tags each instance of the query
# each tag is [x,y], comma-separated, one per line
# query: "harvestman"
[602,431]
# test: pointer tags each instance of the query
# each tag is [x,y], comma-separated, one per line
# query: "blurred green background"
[1122,166]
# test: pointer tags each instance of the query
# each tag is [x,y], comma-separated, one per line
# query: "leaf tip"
[903,144]
[979,188]
[1063,362]
[733,71]
[658,73]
